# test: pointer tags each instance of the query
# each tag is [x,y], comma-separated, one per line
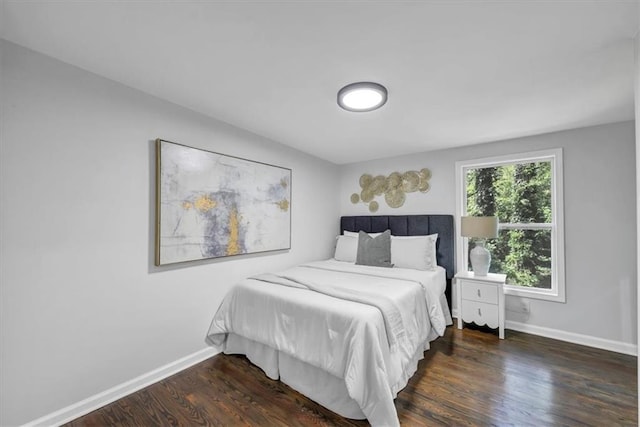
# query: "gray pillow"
[374,251]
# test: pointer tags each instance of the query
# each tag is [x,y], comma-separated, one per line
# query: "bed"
[347,336]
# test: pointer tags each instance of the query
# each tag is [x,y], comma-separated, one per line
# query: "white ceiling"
[458,72]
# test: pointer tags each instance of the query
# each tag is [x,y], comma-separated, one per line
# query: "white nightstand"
[481,300]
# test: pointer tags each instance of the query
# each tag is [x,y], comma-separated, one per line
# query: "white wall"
[637,111]
[600,222]
[83,308]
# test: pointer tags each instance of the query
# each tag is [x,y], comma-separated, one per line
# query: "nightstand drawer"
[481,292]
[480,313]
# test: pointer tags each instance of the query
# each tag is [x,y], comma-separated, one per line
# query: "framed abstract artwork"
[210,205]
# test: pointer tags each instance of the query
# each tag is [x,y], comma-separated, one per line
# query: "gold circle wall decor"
[367,195]
[394,188]
[394,180]
[395,198]
[410,181]
[365,180]
[378,185]
[425,175]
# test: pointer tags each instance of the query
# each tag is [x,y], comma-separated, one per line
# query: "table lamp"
[481,228]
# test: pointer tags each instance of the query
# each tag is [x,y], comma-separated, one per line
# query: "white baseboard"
[588,340]
[99,400]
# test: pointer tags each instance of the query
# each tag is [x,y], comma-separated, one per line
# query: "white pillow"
[355,234]
[417,252]
[346,249]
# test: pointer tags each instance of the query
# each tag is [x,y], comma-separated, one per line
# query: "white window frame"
[557,292]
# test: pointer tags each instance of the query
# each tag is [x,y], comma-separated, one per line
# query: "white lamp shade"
[483,227]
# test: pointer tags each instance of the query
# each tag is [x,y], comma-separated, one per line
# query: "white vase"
[480,259]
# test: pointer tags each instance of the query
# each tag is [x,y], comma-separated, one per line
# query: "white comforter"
[363,324]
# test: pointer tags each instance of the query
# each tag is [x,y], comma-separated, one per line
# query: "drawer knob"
[479,312]
[478,293]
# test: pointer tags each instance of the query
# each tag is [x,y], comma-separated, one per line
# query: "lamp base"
[480,259]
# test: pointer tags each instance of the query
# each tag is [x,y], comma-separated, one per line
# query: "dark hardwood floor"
[469,377]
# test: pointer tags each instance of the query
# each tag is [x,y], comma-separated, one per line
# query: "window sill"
[533,293]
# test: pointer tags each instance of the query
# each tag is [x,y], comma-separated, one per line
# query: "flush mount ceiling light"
[362,96]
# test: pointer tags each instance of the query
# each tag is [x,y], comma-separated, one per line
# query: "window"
[525,192]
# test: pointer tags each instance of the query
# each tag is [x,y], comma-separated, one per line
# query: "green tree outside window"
[520,196]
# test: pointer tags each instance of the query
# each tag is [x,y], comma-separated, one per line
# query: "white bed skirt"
[315,383]
[318,385]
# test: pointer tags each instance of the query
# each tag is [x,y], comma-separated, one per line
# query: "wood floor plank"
[469,377]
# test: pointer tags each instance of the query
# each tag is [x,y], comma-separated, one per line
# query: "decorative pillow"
[354,234]
[374,251]
[417,252]
[346,248]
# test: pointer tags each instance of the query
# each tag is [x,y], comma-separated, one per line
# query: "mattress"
[347,336]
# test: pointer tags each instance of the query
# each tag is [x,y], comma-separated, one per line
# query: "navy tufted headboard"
[412,225]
